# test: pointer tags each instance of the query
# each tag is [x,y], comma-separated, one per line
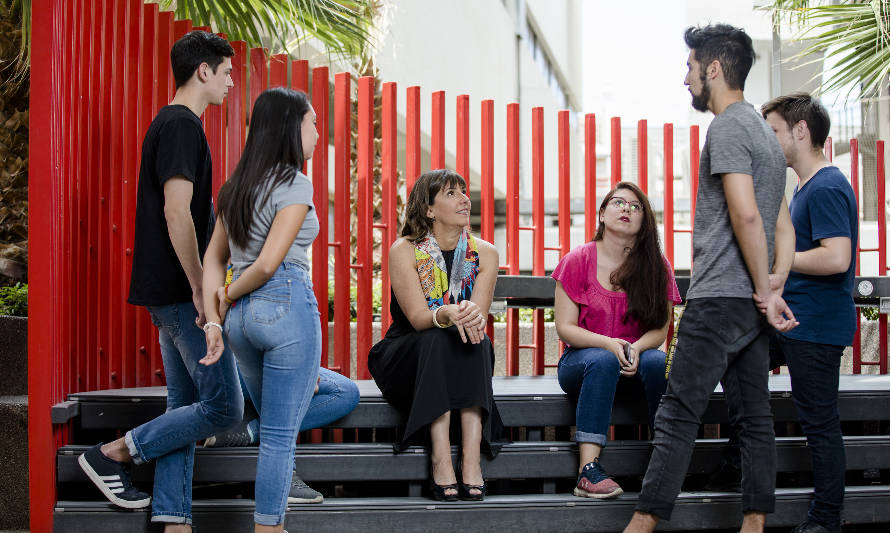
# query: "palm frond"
[18,9]
[343,26]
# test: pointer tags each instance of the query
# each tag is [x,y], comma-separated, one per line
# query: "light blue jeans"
[276,336]
[201,401]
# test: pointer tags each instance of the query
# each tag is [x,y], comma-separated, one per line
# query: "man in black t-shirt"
[174,220]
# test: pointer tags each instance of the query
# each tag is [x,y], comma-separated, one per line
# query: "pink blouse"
[599,309]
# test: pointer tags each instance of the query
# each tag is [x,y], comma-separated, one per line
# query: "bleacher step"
[518,460]
[562,513]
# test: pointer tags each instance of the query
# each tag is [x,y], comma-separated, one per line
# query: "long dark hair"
[427,186]
[274,149]
[643,274]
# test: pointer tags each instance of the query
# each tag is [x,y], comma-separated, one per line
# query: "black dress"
[426,373]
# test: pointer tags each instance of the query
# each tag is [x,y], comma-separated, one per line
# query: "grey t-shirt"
[295,191]
[738,141]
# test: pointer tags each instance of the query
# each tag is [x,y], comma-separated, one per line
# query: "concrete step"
[13,462]
[14,355]
[548,512]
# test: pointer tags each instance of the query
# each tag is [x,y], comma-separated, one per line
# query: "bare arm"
[748,228]
[784,249]
[177,212]
[487,277]
[565,315]
[654,338]
[216,259]
[405,284]
[832,256]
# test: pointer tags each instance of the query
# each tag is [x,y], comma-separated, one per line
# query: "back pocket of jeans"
[271,302]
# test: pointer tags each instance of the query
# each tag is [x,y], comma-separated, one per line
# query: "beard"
[700,101]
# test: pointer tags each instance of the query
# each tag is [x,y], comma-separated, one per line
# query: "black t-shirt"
[175,145]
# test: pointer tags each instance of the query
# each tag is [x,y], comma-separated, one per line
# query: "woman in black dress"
[435,357]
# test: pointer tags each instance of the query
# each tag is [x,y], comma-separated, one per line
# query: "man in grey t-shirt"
[742,228]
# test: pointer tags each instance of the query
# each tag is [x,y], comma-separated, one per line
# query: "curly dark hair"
[643,274]
[417,225]
[729,45]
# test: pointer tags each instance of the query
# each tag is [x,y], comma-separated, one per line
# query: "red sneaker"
[594,483]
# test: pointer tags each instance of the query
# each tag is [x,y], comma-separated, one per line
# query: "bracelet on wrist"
[209,325]
[226,295]
[435,321]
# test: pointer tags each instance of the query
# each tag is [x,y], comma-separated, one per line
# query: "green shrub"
[14,300]
[870,312]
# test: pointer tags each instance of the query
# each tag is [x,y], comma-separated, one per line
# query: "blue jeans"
[337,396]
[592,374]
[276,336]
[201,400]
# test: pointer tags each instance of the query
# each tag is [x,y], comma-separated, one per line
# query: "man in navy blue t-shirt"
[819,291]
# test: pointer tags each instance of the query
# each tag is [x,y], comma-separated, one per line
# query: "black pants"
[720,340]
[814,370]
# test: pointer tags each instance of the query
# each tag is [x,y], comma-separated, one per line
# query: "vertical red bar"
[463,138]
[669,192]
[100,192]
[590,214]
[412,137]
[320,247]
[342,154]
[116,299]
[643,156]
[437,136]
[512,232]
[854,182]
[364,214]
[215,129]
[538,233]
[565,183]
[829,149]
[299,77]
[486,206]
[259,75]
[181,27]
[882,246]
[278,70]
[389,148]
[616,151]
[693,167]
[165,43]
[235,107]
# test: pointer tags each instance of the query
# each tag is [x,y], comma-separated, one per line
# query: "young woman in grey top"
[266,223]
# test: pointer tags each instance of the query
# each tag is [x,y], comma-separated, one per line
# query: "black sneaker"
[727,479]
[300,492]
[240,435]
[113,479]
[813,527]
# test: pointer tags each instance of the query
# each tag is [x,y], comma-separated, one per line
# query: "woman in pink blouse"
[613,303]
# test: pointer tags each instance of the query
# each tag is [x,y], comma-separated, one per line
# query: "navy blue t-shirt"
[824,207]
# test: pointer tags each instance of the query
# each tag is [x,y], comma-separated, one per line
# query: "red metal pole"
[693,166]
[342,136]
[320,195]
[299,78]
[437,136]
[486,207]
[882,246]
[829,149]
[390,154]
[365,217]
[616,151]
[854,182]
[116,299]
[278,70]
[643,156]
[259,75]
[236,107]
[565,183]
[669,192]
[463,138]
[412,137]
[537,345]
[512,233]
[590,214]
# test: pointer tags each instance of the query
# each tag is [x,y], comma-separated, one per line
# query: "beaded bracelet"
[213,324]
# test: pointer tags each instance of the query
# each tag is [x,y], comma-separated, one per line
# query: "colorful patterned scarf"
[434,282]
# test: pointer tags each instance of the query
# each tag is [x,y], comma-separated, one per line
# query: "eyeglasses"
[621,203]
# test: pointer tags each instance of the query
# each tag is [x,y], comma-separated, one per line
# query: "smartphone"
[628,354]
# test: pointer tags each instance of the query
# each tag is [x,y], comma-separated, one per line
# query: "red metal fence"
[100,72]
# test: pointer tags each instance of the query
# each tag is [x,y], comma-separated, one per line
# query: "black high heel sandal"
[463,490]
[438,491]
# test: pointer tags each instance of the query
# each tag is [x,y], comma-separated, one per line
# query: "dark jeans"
[720,340]
[814,370]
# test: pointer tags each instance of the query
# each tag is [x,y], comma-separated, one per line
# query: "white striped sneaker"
[112,478]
